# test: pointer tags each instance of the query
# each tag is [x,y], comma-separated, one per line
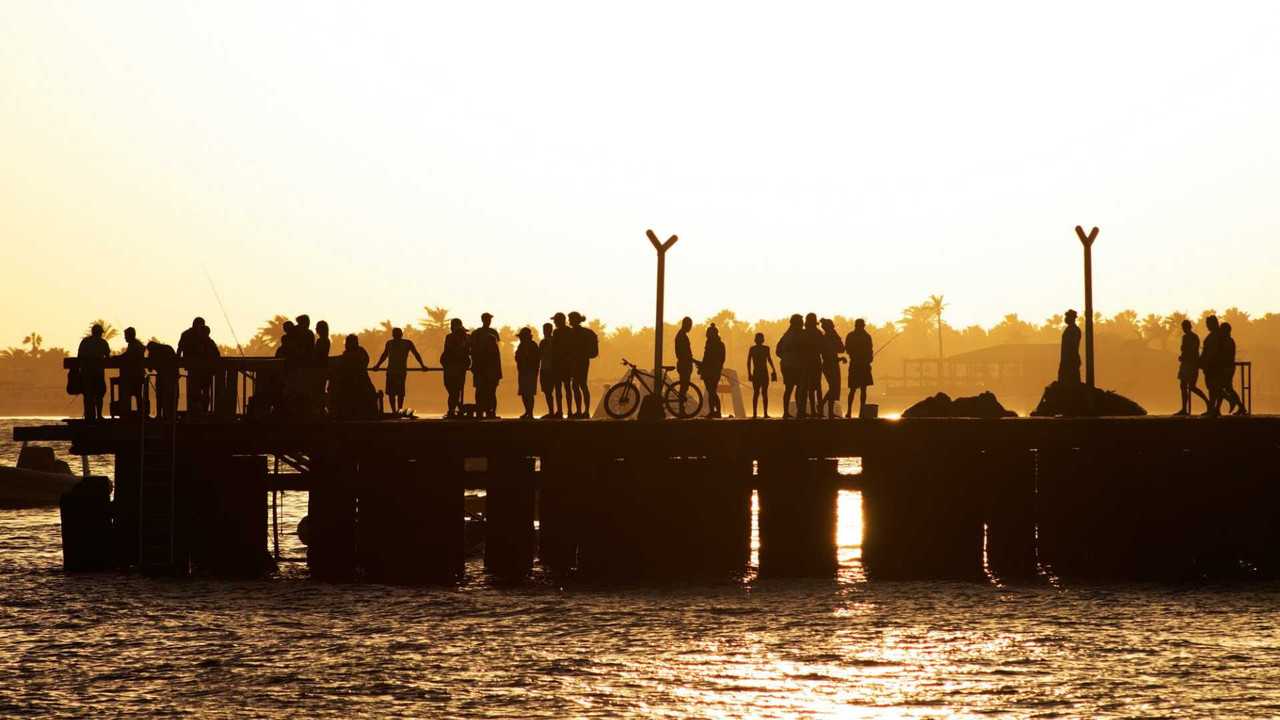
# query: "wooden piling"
[923,515]
[225,498]
[797,516]
[331,517]
[1010,513]
[509,508]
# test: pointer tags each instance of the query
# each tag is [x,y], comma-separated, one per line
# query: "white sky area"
[360,161]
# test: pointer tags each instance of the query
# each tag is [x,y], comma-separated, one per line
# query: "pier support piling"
[509,508]
[797,516]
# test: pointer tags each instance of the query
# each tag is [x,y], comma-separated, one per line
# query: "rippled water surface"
[113,644]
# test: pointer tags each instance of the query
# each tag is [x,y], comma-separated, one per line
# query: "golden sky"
[358,161]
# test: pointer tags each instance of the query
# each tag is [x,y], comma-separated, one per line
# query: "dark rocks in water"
[1071,400]
[983,405]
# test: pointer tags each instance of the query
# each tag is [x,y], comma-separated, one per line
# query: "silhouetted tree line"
[32,379]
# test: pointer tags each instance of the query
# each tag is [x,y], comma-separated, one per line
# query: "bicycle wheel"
[622,400]
[683,400]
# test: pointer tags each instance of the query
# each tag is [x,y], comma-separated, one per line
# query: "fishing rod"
[223,308]
[882,347]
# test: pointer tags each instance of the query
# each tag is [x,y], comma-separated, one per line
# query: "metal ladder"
[156,501]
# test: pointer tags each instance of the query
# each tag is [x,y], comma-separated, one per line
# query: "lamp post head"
[658,245]
[1086,239]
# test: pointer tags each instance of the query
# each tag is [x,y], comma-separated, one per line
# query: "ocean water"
[112,644]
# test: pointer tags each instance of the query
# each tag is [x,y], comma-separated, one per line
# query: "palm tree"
[935,306]
[437,318]
[269,334]
[109,331]
[35,341]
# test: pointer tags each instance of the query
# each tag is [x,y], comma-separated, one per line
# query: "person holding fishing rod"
[858,345]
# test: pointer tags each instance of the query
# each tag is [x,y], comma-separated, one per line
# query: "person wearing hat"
[1069,364]
[486,367]
[527,361]
[562,346]
[585,346]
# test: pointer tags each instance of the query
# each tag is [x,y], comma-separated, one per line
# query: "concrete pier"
[1120,498]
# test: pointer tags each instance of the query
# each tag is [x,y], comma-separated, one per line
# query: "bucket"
[870,411]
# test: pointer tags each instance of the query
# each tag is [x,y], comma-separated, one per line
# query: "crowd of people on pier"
[309,381]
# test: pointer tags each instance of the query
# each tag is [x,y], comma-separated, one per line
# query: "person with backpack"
[585,347]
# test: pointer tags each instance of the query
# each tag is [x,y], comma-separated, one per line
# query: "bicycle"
[681,399]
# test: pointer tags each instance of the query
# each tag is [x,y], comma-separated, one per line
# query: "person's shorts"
[548,380]
[684,371]
[395,382]
[455,380]
[1189,372]
[578,371]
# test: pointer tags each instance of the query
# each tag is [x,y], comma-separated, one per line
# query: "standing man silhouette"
[547,370]
[1069,362]
[563,347]
[811,360]
[190,351]
[684,358]
[585,347]
[1189,368]
[858,344]
[396,354]
[486,367]
[164,359]
[133,376]
[789,356]
[455,359]
[760,369]
[92,354]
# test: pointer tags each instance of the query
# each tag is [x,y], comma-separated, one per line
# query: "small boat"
[22,488]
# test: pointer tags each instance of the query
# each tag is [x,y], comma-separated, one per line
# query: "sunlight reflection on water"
[844,647]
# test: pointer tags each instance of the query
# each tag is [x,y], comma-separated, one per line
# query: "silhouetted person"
[455,359]
[527,362]
[320,365]
[1227,372]
[486,368]
[133,376]
[684,358]
[790,357]
[92,354]
[1189,368]
[354,395]
[711,367]
[547,376]
[832,348]
[287,336]
[1069,362]
[563,347]
[811,361]
[210,354]
[305,343]
[760,369]
[191,354]
[585,347]
[858,345]
[164,360]
[396,354]
[1211,364]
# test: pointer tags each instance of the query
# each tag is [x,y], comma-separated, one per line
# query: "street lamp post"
[1087,241]
[651,407]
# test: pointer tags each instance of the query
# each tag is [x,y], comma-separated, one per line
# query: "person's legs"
[711,397]
[787,389]
[586,390]
[764,397]
[1185,396]
[755,399]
